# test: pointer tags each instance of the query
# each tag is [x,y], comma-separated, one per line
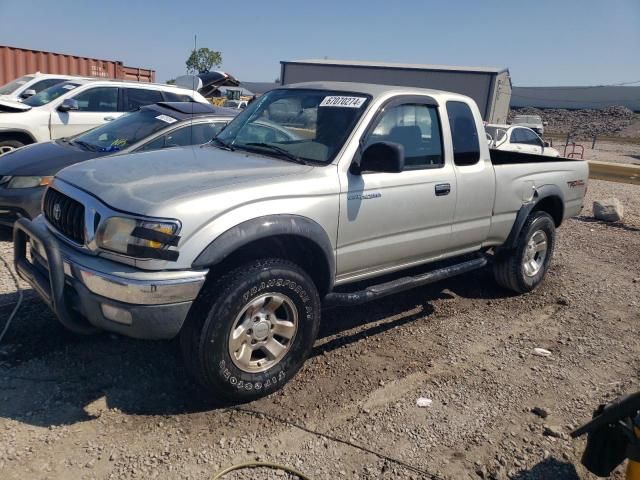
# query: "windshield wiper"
[223,144]
[85,145]
[282,151]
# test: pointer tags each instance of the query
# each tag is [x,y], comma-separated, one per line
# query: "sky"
[543,43]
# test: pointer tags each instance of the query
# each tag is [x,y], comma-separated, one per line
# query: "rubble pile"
[582,124]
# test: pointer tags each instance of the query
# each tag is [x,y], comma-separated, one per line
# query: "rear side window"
[139,97]
[464,134]
[174,97]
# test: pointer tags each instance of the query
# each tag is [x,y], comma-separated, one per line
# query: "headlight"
[29,182]
[138,238]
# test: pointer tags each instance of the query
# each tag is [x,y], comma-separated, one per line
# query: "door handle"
[443,189]
[108,119]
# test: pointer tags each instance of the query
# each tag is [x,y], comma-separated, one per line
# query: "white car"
[534,122]
[75,106]
[28,85]
[514,138]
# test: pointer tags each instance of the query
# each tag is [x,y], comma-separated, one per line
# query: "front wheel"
[7,146]
[251,331]
[523,268]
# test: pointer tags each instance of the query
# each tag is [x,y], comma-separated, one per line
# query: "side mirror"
[68,104]
[546,144]
[30,92]
[381,157]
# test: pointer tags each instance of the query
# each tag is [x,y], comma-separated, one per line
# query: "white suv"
[74,106]
[28,85]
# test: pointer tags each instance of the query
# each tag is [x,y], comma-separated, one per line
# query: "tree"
[171,81]
[202,59]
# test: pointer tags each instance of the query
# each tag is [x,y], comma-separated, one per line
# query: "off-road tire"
[508,266]
[204,338]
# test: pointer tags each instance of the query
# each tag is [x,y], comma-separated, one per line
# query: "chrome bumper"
[105,295]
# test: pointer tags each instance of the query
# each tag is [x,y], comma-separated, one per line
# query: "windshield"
[50,94]
[16,84]
[496,133]
[125,131]
[299,124]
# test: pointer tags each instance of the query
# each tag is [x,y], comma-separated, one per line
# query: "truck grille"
[65,214]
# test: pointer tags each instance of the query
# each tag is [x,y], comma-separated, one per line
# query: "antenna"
[195,47]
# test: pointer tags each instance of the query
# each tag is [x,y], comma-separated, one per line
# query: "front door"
[390,220]
[96,105]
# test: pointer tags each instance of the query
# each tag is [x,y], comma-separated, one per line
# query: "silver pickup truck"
[318,194]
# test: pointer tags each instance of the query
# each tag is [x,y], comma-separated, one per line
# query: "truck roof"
[404,66]
[372,89]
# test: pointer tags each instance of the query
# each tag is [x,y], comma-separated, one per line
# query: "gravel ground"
[605,150]
[107,407]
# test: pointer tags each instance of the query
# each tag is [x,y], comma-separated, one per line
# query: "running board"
[374,292]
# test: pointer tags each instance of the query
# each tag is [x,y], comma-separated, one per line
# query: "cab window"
[464,134]
[417,128]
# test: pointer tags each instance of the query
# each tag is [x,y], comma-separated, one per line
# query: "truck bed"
[520,175]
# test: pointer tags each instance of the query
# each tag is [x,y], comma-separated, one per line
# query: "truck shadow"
[49,376]
[547,469]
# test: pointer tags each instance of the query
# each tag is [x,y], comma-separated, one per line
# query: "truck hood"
[7,105]
[140,183]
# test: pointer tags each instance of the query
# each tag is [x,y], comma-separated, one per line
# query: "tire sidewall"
[220,371]
[539,221]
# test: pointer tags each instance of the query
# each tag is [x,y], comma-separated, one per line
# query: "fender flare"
[264,227]
[545,191]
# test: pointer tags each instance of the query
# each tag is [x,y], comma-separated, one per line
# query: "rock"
[539,411]
[553,431]
[609,210]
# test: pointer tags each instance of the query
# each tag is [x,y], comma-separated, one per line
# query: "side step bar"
[374,292]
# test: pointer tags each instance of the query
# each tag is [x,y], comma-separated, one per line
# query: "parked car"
[518,139]
[235,246]
[73,107]
[534,122]
[28,85]
[25,172]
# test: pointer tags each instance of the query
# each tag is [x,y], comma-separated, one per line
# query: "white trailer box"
[489,87]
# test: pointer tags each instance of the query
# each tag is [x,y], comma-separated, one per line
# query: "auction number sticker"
[344,102]
[166,118]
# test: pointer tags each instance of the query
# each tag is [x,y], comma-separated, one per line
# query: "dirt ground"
[107,407]
[609,150]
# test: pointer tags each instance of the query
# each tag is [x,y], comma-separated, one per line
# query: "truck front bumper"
[89,293]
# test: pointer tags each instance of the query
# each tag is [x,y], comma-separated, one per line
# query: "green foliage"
[202,59]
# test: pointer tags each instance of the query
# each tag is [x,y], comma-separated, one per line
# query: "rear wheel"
[252,330]
[8,145]
[523,268]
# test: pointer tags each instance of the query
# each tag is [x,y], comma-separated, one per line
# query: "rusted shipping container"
[15,62]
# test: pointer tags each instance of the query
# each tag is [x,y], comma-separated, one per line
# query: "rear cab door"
[391,220]
[475,176]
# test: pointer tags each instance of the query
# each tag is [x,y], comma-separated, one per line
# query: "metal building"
[489,87]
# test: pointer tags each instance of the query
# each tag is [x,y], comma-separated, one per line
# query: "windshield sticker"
[69,87]
[166,118]
[344,102]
